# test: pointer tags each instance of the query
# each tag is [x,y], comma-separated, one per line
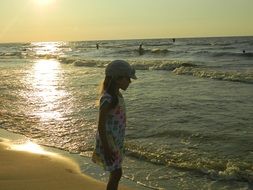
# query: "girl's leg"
[114,179]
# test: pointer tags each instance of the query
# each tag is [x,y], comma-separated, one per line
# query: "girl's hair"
[109,85]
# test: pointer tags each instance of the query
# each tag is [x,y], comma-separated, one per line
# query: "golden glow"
[66,20]
[44,2]
[46,48]
[30,147]
[45,79]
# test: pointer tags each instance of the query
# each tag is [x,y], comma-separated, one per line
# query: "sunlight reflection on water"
[45,77]
[47,48]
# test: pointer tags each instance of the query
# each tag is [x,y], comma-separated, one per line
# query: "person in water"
[141,50]
[109,148]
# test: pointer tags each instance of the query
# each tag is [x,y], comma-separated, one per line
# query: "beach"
[24,170]
[189,113]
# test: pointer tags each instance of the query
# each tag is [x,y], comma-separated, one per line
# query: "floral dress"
[115,132]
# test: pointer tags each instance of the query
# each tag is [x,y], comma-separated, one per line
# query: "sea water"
[189,113]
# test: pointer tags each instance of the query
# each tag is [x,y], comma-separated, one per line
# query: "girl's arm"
[103,113]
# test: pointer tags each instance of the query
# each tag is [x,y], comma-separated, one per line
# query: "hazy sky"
[67,20]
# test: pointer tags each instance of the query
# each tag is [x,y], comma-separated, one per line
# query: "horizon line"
[126,39]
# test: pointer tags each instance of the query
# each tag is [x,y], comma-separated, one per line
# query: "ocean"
[189,113]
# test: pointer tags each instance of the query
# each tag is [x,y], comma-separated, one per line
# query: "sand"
[23,170]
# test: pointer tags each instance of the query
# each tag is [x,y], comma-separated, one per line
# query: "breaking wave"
[218,75]
[177,67]
[214,167]
[168,65]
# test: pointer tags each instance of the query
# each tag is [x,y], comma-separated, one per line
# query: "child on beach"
[109,150]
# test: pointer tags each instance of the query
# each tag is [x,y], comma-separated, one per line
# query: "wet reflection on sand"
[30,147]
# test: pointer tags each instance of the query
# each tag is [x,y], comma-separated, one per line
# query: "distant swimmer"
[173,40]
[141,50]
[243,51]
[97,45]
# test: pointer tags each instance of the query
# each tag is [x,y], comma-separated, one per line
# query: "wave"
[158,51]
[168,65]
[177,67]
[6,55]
[25,53]
[159,44]
[214,167]
[136,52]
[218,75]
[224,54]
[219,41]
[207,52]
[231,54]
[197,43]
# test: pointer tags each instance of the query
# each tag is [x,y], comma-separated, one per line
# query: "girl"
[109,148]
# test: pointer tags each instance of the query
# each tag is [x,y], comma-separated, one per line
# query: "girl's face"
[123,82]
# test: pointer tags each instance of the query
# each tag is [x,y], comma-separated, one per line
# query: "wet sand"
[24,170]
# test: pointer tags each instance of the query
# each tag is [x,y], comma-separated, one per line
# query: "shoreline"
[22,169]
